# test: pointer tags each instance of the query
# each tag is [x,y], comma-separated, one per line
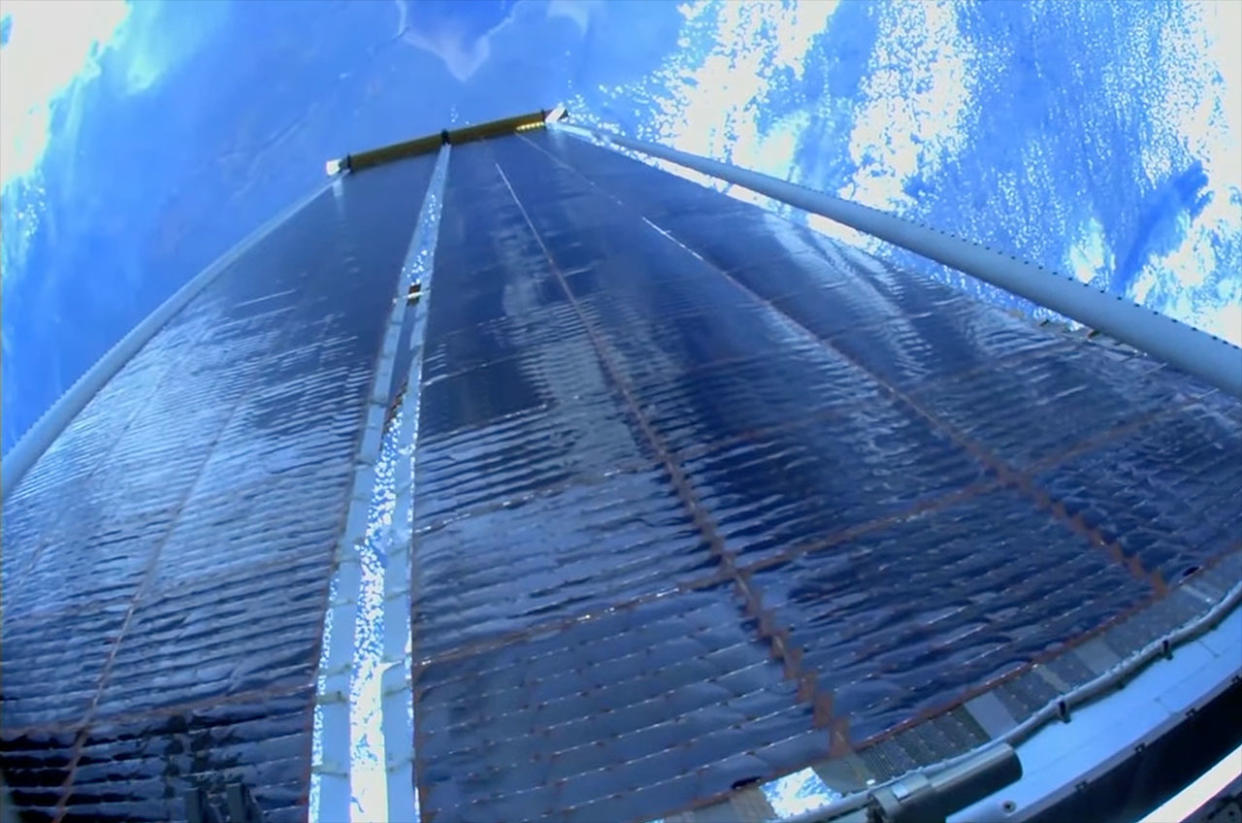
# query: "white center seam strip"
[371,581]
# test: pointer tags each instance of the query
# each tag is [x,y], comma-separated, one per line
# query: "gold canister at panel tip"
[422,145]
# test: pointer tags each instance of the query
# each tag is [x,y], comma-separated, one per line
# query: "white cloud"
[460,57]
[1090,257]
[918,98]
[576,11]
[709,93]
[913,115]
[51,46]
[1198,113]
[712,101]
[449,40]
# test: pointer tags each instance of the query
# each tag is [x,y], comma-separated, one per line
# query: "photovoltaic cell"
[701,498]
[166,562]
[897,619]
[625,712]
[684,462]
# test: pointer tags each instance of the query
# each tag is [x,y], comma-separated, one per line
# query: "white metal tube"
[1189,349]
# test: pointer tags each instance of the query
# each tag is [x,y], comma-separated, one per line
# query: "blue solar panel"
[701,498]
[166,562]
[848,491]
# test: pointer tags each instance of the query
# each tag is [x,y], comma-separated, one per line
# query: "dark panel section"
[818,481]
[256,629]
[1169,494]
[563,552]
[36,766]
[68,649]
[687,470]
[166,562]
[903,619]
[1017,412]
[615,718]
[564,671]
[522,437]
[142,770]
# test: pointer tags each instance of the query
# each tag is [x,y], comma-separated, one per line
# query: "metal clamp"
[239,806]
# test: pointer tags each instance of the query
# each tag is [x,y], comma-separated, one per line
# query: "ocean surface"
[139,142]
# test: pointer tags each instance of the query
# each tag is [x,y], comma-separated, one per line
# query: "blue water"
[140,142]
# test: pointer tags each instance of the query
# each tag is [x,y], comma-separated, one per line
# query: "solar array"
[704,497]
[166,562]
[701,498]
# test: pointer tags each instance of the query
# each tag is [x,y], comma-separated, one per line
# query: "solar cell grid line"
[703,520]
[466,479]
[549,253]
[169,371]
[828,541]
[1150,420]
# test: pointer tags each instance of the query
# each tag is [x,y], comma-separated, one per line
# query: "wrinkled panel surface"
[542,496]
[703,496]
[166,562]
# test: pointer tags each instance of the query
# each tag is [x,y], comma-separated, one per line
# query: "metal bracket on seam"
[397,594]
[350,557]
[405,488]
[347,563]
[372,441]
[364,476]
[339,668]
[341,602]
[331,769]
[336,695]
[406,686]
[390,662]
[383,373]
[383,376]
[347,559]
[402,535]
[388,351]
[401,763]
